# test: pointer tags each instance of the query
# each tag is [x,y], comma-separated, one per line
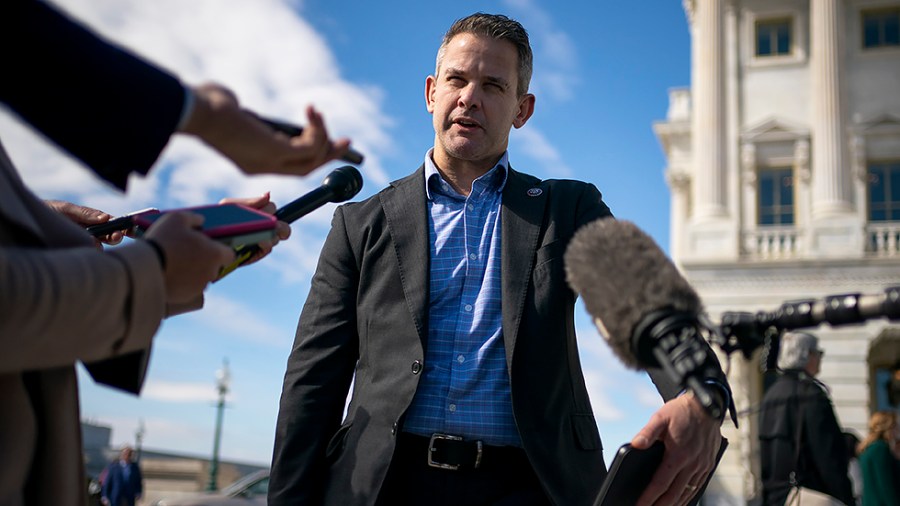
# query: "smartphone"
[629,474]
[232,224]
[122,223]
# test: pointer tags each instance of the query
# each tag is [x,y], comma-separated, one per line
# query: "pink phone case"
[222,220]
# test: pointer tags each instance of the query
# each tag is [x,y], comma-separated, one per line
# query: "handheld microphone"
[340,185]
[643,307]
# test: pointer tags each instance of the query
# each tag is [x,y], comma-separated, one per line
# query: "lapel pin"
[534,192]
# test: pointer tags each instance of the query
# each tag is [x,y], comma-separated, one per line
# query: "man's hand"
[282,231]
[84,217]
[192,260]
[254,147]
[692,440]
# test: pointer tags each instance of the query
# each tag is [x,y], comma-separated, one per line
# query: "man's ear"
[526,109]
[430,84]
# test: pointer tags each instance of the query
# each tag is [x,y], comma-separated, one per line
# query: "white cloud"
[264,50]
[534,143]
[238,319]
[616,392]
[555,56]
[181,392]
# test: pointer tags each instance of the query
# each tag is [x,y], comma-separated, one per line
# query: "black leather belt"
[453,453]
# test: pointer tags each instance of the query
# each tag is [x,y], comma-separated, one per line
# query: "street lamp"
[223,378]
[139,439]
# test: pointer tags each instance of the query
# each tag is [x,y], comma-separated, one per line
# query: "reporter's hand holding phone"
[84,216]
[264,204]
[254,147]
[692,439]
[192,260]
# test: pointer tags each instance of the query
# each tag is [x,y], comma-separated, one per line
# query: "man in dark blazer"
[443,301]
[123,483]
[61,299]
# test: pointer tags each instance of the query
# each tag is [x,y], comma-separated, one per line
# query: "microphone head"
[343,182]
[623,277]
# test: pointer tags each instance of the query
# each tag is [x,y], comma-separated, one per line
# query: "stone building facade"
[783,161]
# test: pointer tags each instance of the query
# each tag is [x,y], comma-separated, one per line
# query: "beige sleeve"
[59,306]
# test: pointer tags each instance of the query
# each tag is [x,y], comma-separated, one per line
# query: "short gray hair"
[498,27]
[795,348]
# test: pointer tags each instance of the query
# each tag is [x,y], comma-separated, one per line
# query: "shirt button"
[453,408]
[394,429]
[473,256]
[460,359]
[416,367]
[471,207]
[468,307]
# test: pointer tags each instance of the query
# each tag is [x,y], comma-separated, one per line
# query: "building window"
[881,28]
[773,37]
[884,191]
[776,196]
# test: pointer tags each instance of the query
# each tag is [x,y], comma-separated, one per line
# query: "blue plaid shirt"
[464,389]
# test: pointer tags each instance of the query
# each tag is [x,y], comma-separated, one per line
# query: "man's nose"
[470,97]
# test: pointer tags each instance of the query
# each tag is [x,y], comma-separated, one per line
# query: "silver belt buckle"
[448,437]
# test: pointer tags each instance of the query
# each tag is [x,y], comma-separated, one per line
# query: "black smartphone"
[122,223]
[629,474]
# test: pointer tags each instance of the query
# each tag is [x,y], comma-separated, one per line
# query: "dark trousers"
[503,478]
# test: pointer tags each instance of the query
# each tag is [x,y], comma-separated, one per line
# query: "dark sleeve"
[139,480]
[318,376]
[826,446]
[104,487]
[102,104]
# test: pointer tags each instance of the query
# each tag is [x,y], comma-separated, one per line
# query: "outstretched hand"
[254,147]
[692,440]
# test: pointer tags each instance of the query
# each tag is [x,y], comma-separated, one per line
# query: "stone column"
[832,191]
[709,126]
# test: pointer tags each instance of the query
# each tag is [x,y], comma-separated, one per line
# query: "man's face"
[126,455]
[814,364]
[474,102]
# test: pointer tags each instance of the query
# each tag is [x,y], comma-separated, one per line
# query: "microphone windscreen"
[623,276]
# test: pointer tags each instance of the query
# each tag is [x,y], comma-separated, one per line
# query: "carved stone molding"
[678,180]
[801,160]
[690,8]
[748,163]
[858,157]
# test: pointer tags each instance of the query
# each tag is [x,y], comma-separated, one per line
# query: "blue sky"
[602,74]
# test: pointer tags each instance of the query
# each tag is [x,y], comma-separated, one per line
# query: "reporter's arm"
[59,306]
[217,119]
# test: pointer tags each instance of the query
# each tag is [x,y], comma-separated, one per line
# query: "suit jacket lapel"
[407,217]
[521,217]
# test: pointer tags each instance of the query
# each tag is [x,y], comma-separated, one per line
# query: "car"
[247,491]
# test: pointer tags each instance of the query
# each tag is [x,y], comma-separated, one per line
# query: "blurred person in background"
[802,446]
[123,483]
[878,461]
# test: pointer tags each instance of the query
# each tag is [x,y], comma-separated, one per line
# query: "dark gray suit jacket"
[367,313]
